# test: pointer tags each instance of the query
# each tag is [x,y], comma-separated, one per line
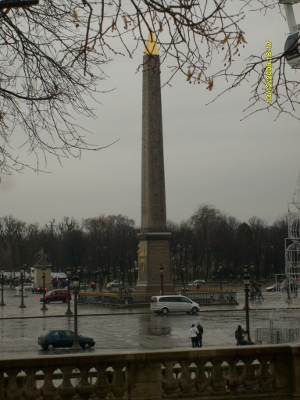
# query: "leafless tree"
[54,55]
[47,71]
[280,90]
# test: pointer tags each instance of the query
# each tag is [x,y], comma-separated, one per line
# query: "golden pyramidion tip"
[151,46]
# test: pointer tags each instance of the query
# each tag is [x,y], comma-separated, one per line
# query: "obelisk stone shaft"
[154,246]
[153,177]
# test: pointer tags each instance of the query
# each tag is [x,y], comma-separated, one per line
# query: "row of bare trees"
[210,240]
[106,247]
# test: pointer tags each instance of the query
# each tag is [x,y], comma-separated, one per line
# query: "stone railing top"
[136,356]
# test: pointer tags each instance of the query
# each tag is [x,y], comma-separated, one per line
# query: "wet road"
[115,328]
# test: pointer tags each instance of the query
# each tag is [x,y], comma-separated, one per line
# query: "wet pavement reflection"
[126,329]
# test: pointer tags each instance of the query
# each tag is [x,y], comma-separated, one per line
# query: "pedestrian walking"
[258,292]
[239,335]
[194,335]
[199,335]
[260,296]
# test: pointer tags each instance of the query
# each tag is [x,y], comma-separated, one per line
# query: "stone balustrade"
[245,372]
[125,298]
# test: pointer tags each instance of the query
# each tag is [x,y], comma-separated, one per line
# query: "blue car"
[49,340]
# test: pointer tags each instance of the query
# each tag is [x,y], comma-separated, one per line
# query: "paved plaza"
[134,328]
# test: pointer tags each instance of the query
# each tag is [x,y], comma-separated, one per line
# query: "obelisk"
[154,240]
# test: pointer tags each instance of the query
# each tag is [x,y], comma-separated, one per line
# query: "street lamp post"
[69,311]
[161,269]
[252,276]
[44,308]
[246,283]
[122,278]
[2,287]
[22,270]
[75,281]
[220,276]
[184,283]
[136,271]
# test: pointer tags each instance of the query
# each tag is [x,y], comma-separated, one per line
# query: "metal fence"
[277,335]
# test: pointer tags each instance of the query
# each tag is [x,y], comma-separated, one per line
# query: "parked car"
[113,284]
[38,289]
[196,282]
[26,286]
[173,303]
[82,286]
[274,288]
[51,339]
[56,295]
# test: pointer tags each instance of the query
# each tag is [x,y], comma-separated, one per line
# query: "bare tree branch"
[54,57]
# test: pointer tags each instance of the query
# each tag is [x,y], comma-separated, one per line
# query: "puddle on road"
[165,331]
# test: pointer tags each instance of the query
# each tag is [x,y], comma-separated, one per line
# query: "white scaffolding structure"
[292,243]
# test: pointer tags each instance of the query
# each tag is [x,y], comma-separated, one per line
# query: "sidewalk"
[33,305]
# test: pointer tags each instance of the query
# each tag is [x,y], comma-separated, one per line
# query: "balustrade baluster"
[217,380]
[30,391]
[265,379]
[249,378]
[48,389]
[13,391]
[66,389]
[186,383]
[280,370]
[202,381]
[170,384]
[2,390]
[101,387]
[84,388]
[118,386]
[233,380]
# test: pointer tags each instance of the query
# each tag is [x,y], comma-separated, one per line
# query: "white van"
[26,286]
[173,303]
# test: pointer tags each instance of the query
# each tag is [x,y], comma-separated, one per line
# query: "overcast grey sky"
[243,168]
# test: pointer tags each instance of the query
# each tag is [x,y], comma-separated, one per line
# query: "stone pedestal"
[38,275]
[153,253]
[145,381]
